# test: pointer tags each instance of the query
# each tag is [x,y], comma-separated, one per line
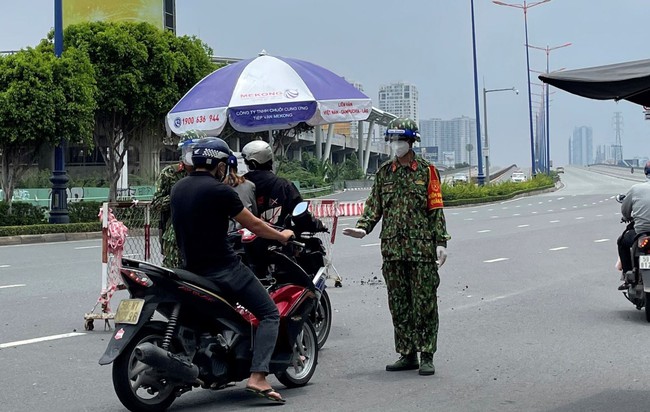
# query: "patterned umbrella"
[267,93]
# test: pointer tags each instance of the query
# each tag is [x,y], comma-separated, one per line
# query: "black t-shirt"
[201,208]
[276,196]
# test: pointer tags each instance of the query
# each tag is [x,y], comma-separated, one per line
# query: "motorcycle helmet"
[186,147]
[402,128]
[646,168]
[256,153]
[208,152]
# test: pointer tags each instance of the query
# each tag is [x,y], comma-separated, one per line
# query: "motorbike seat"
[198,281]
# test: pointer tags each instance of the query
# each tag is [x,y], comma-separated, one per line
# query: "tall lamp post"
[525,8]
[59,201]
[485,134]
[548,140]
[480,178]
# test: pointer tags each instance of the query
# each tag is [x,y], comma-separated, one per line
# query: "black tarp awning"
[622,81]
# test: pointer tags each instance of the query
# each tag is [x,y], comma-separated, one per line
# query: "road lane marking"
[87,247]
[37,340]
[469,218]
[495,260]
[517,214]
[12,286]
[601,240]
[371,244]
[523,225]
[579,217]
[558,248]
[5,266]
[553,221]
[484,231]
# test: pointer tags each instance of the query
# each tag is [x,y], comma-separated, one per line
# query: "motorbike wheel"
[647,309]
[137,391]
[304,359]
[321,317]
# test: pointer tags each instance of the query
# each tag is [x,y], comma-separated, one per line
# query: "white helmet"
[258,151]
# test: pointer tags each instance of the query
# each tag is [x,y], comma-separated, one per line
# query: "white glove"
[441,251]
[354,232]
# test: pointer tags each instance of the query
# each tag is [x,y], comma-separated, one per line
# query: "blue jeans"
[239,282]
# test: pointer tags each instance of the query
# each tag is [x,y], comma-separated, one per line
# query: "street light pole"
[480,178]
[525,8]
[59,179]
[487,146]
[548,139]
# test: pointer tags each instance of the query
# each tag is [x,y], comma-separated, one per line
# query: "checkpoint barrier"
[126,231]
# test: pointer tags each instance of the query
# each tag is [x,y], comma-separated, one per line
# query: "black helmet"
[402,128]
[209,151]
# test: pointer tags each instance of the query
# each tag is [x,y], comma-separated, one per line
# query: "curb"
[46,238]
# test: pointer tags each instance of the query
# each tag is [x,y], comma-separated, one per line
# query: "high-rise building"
[400,99]
[451,137]
[581,150]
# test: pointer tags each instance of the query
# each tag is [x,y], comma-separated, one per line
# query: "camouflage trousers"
[171,253]
[413,304]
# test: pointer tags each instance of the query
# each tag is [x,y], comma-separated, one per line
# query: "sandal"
[269,394]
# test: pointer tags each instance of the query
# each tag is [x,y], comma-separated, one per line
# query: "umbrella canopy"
[268,93]
[622,81]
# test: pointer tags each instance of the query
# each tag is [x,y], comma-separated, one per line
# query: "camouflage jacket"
[161,198]
[399,196]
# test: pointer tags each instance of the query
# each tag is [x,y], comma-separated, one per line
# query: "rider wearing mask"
[201,206]
[636,208]
[276,196]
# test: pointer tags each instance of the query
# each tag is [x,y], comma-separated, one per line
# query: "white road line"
[495,260]
[371,244]
[601,240]
[12,286]
[474,211]
[484,231]
[469,218]
[87,247]
[517,214]
[523,225]
[5,266]
[558,248]
[553,221]
[579,217]
[494,217]
[36,340]
[560,198]
[550,210]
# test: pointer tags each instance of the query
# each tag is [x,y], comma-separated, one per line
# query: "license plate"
[644,262]
[128,311]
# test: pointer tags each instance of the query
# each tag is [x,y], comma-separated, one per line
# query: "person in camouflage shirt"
[407,195]
[161,202]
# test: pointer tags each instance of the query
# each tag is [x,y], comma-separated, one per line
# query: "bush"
[22,213]
[50,228]
[80,212]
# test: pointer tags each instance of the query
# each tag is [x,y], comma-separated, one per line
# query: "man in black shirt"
[276,196]
[201,207]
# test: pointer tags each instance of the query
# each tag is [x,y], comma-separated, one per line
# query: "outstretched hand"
[354,232]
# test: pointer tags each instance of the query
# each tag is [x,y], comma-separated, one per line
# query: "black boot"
[404,363]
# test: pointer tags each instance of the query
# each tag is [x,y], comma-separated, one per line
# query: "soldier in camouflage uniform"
[407,195]
[161,202]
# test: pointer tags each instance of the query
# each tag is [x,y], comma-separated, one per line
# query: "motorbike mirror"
[300,209]
[619,198]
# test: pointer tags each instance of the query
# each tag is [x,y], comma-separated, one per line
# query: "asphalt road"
[530,320]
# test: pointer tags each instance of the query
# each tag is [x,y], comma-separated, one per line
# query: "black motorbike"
[177,331]
[638,279]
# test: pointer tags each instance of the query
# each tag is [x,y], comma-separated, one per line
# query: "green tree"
[43,99]
[141,72]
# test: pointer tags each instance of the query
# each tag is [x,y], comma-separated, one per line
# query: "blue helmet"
[208,152]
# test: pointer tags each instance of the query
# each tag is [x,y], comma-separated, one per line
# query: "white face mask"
[400,147]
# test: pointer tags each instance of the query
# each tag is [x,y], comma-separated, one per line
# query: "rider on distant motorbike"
[201,206]
[636,208]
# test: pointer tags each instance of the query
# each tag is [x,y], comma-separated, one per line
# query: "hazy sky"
[427,43]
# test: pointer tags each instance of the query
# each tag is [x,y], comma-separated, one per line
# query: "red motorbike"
[177,331]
